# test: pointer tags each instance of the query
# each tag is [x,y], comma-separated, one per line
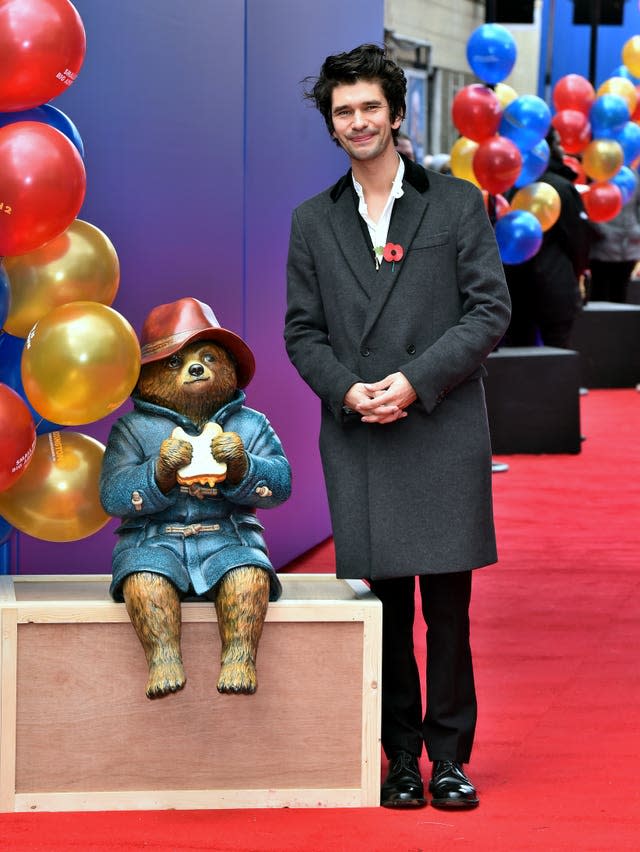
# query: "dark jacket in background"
[545,290]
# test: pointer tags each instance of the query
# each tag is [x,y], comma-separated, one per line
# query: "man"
[396,296]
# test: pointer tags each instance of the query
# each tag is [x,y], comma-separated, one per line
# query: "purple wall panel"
[198,146]
[290,157]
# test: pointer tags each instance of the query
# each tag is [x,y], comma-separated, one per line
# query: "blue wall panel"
[571,44]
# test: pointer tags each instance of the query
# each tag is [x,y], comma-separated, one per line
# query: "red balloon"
[497,164]
[576,166]
[42,45]
[18,436]
[602,201]
[573,92]
[573,128]
[42,185]
[636,112]
[476,112]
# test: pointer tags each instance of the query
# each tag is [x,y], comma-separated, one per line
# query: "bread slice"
[204,469]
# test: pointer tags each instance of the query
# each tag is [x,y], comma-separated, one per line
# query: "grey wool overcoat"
[414,496]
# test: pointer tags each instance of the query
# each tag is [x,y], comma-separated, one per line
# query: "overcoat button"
[365,352]
[411,349]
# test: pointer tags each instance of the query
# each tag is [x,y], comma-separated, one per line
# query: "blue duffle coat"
[191,535]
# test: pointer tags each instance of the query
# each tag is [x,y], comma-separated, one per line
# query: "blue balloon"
[608,115]
[629,140]
[626,180]
[525,121]
[519,236]
[10,374]
[534,163]
[491,52]
[50,115]
[5,295]
[5,531]
[622,71]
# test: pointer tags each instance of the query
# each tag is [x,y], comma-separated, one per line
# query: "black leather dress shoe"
[450,787]
[403,787]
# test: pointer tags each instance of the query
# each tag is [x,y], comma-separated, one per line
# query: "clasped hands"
[381,402]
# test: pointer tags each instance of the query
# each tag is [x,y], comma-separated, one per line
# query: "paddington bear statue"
[185,471]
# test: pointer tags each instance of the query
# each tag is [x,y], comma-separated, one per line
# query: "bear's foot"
[238,678]
[165,677]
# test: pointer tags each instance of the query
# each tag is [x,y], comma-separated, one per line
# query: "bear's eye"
[174,362]
[209,358]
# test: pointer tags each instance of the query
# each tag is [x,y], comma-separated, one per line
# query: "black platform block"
[633,291]
[533,400]
[607,336]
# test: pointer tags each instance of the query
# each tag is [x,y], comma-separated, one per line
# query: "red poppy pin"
[392,253]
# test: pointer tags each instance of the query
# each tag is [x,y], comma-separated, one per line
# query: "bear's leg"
[241,606]
[153,605]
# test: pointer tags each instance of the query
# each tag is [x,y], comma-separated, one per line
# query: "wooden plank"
[8,679]
[116,800]
[371,706]
[82,712]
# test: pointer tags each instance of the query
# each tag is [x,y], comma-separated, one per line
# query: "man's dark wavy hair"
[366,62]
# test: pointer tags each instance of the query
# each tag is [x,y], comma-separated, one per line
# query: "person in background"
[396,296]
[404,145]
[545,290]
[615,252]
[439,163]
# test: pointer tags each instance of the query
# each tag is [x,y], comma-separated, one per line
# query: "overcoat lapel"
[355,248]
[408,212]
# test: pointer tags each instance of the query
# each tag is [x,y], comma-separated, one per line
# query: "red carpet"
[556,637]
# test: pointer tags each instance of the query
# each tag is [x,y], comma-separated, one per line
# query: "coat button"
[365,352]
[411,349]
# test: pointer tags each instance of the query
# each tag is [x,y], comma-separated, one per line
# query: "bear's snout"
[196,370]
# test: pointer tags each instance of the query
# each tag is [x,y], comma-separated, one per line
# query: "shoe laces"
[449,767]
[404,761]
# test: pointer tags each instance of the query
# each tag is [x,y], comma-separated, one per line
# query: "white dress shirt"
[379,230]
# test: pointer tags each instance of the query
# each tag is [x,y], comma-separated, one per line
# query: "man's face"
[361,121]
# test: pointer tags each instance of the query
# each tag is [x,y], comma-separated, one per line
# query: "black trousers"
[448,725]
[610,280]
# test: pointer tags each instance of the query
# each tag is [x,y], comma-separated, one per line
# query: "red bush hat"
[169,327]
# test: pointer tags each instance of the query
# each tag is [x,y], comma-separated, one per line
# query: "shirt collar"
[415,175]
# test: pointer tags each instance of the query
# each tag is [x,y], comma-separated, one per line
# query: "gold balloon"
[542,200]
[462,153]
[623,88]
[602,159]
[57,497]
[631,55]
[80,362]
[505,94]
[79,265]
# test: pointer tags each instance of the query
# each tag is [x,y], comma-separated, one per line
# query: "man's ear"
[395,124]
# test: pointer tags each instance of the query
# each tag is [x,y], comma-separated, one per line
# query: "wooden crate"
[78,733]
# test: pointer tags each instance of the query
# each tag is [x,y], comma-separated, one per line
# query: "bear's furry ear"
[151,384]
